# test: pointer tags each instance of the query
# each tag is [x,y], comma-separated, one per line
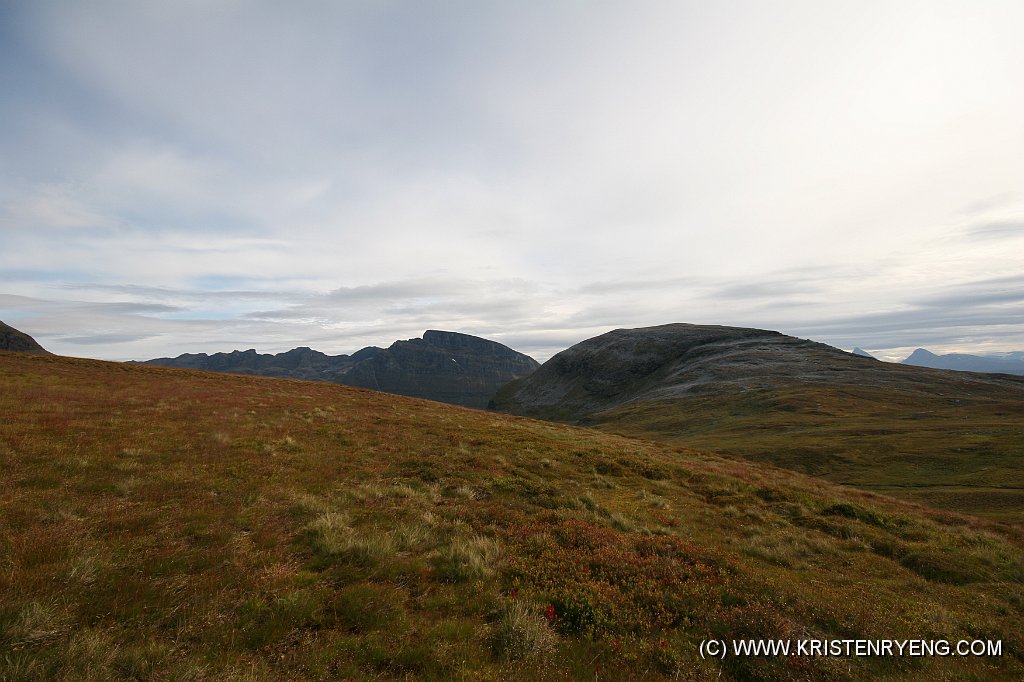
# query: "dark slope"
[684,360]
[13,340]
[444,366]
[952,439]
[298,363]
[1011,363]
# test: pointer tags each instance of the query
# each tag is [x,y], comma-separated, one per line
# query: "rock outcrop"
[13,340]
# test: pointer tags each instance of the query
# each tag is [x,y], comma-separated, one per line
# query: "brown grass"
[958,446]
[167,524]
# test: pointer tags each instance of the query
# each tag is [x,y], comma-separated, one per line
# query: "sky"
[221,174]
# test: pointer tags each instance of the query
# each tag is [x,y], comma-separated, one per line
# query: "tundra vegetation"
[953,440]
[171,524]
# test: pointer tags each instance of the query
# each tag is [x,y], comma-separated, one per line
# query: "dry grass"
[166,524]
[524,633]
[956,444]
[467,559]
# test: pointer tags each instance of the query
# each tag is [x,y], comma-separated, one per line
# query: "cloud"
[988,204]
[977,295]
[615,287]
[50,207]
[170,293]
[104,339]
[529,314]
[387,292]
[952,318]
[351,173]
[1006,229]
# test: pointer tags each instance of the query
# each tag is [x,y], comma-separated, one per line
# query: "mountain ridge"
[1008,363]
[445,366]
[671,361]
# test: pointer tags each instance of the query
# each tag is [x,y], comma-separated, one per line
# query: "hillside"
[13,340]
[949,439]
[172,524]
[445,366]
[1007,363]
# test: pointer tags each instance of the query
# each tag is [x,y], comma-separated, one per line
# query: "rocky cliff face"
[444,366]
[13,340]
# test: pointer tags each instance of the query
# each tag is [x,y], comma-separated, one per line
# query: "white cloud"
[533,171]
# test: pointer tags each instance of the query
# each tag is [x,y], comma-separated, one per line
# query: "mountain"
[444,366]
[13,340]
[948,439]
[169,524]
[1008,363]
[863,353]
[672,361]
[298,363]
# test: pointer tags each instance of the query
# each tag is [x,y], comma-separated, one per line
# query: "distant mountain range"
[13,340]
[444,366]
[1006,363]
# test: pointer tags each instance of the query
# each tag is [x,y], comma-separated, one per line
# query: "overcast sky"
[214,175]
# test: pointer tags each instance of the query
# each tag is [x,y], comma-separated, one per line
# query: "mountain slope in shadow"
[13,340]
[445,366]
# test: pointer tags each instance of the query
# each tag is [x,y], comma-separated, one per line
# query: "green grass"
[962,450]
[168,524]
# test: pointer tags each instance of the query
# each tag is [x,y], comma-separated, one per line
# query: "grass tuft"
[523,633]
[467,559]
[365,607]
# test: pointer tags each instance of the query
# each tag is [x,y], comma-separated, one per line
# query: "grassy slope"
[962,451]
[174,524]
